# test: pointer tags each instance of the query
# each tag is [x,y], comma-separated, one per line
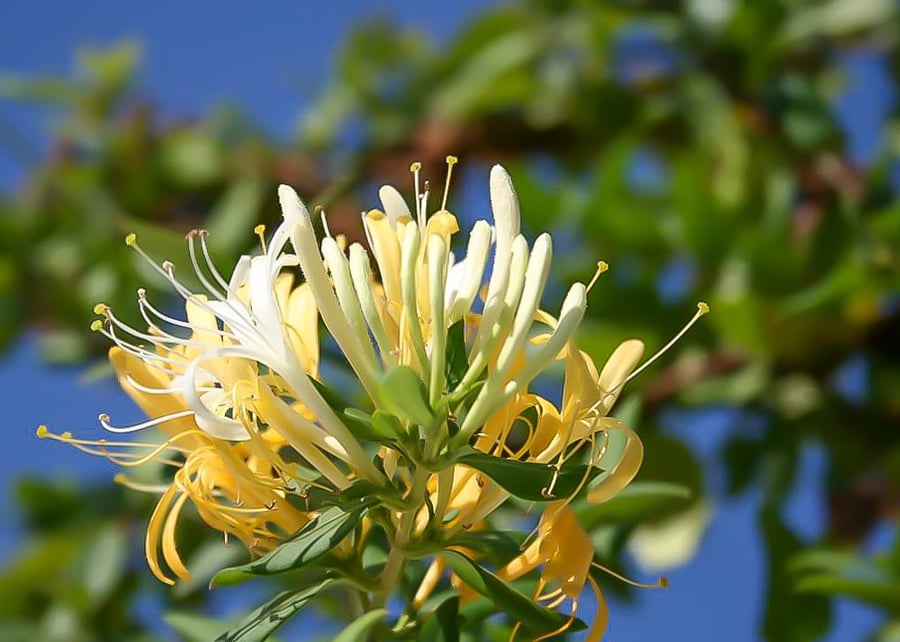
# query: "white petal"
[393,203]
[206,419]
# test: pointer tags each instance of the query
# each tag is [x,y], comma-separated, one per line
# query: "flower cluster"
[445,350]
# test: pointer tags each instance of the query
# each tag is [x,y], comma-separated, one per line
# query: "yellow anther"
[131,240]
[101,308]
[415,167]
[664,579]
[103,417]
[602,266]
[96,325]
[66,436]
[703,307]
[120,478]
[452,160]
[42,432]
[260,231]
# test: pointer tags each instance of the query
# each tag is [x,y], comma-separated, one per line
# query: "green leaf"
[358,629]
[386,425]
[363,492]
[534,618]
[380,427]
[310,543]
[400,392]
[456,362]
[443,624]
[194,628]
[229,224]
[498,547]
[528,480]
[105,562]
[884,593]
[637,502]
[266,619]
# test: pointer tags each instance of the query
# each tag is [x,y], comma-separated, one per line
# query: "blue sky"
[269,58]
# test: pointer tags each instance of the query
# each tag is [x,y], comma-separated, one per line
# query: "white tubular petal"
[498,313]
[533,289]
[505,207]
[474,266]
[570,316]
[393,203]
[209,422]
[492,396]
[239,275]
[303,237]
[504,204]
[409,260]
[263,305]
[360,272]
[437,267]
[339,267]
[518,266]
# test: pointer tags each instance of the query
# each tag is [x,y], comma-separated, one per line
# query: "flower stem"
[396,561]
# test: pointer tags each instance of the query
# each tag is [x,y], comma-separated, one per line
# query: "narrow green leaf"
[534,618]
[637,502]
[443,624]
[498,547]
[365,493]
[265,620]
[401,393]
[312,541]
[358,629]
[884,593]
[105,562]
[528,480]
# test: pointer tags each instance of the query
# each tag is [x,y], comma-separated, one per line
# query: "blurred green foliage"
[689,138]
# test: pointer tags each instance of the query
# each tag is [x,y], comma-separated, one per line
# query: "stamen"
[320,210]
[211,266]
[415,168]
[602,266]
[702,309]
[662,582]
[260,231]
[451,161]
[103,418]
[212,289]
[145,306]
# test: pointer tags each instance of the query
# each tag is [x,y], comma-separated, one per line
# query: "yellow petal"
[626,452]
[620,364]
[153,535]
[169,544]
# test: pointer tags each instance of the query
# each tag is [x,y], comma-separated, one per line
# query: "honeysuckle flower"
[445,349]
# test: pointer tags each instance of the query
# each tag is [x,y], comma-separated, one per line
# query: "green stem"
[396,561]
